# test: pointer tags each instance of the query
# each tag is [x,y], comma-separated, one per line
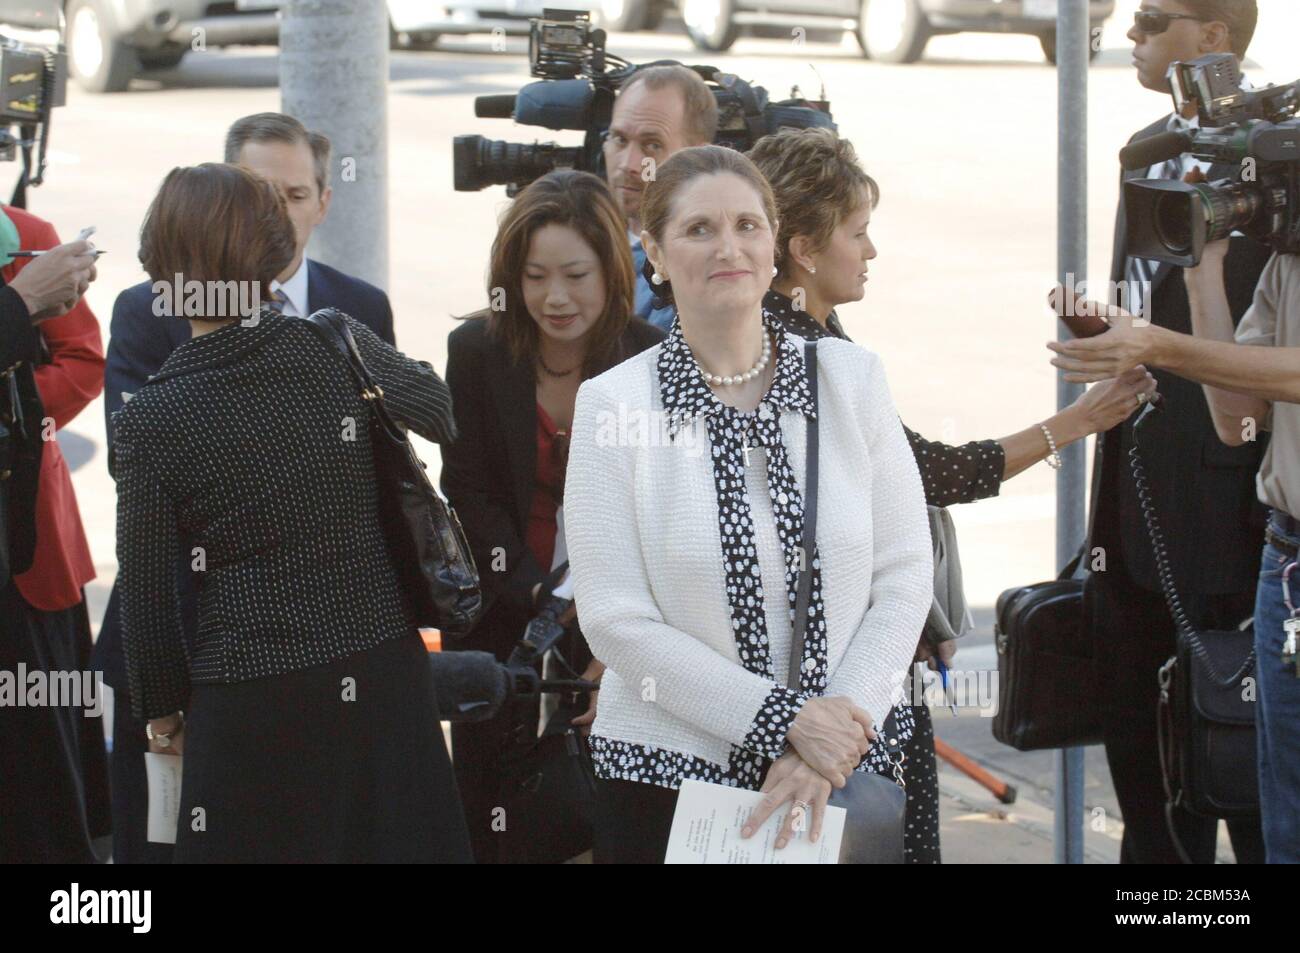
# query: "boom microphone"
[471,686]
[1147,152]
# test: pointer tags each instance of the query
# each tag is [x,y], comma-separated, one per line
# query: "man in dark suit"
[1202,489]
[280,149]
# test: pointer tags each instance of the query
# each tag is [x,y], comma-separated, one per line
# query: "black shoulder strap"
[804,593]
[331,326]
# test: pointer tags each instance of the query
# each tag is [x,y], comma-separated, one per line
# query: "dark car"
[892,31]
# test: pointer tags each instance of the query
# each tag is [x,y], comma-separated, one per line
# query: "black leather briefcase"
[1047,681]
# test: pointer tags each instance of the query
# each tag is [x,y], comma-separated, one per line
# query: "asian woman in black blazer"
[560,287]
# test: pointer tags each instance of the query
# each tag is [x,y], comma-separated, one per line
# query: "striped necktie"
[278,300]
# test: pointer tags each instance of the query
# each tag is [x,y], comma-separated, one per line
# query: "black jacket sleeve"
[949,474]
[483,498]
[413,392]
[19,338]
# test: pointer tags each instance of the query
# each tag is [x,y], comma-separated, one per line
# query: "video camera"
[577,90]
[1172,221]
[33,80]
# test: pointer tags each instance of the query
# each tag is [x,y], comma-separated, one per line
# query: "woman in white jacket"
[684,515]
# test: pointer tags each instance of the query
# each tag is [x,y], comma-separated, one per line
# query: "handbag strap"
[331,326]
[804,592]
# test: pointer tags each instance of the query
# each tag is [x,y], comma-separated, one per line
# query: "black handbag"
[548,793]
[874,804]
[1047,675]
[433,561]
[1205,716]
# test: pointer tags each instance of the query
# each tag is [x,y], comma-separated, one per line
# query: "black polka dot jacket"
[249,452]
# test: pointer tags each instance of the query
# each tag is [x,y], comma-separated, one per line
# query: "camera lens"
[1232,208]
[1173,220]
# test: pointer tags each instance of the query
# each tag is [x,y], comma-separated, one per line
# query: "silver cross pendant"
[746,448]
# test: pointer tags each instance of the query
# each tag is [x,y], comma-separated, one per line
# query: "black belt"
[1289,525]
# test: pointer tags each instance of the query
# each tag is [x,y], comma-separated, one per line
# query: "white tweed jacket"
[642,530]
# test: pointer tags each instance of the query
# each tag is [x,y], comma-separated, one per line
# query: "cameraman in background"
[1204,488]
[659,111]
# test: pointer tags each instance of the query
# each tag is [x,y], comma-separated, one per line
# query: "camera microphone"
[1147,152]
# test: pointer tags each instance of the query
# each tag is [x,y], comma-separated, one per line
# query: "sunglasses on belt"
[1152,22]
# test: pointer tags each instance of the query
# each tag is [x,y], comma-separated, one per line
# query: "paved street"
[964,147]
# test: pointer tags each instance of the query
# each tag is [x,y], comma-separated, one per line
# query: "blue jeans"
[1278,721]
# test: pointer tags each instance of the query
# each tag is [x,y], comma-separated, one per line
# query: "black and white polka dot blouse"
[252,444]
[734,436]
[950,474]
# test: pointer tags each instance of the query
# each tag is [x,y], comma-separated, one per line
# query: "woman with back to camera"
[685,546]
[562,264]
[305,709]
[825,201]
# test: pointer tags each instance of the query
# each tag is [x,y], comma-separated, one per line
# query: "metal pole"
[1072,40]
[334,79]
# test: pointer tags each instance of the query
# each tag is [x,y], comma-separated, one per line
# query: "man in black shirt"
[1202,489]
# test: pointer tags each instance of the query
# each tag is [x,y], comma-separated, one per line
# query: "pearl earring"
[775,271]
[657,278]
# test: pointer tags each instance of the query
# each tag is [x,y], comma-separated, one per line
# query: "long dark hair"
[581,201]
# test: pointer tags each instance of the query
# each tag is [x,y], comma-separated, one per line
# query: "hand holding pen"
[84,236]
[54,282]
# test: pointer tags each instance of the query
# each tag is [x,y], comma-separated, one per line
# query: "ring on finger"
[1143,397]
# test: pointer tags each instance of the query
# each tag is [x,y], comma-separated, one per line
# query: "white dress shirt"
[294,291]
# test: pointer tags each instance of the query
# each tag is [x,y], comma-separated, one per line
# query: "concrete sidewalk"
[975,828]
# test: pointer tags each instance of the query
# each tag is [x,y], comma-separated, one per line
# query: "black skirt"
[340,763]
[53,764]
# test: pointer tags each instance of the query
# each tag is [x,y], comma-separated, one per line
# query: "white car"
[891,31]
[419,22]
[110,41]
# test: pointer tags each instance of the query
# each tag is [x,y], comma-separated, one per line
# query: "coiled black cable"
[1166,574]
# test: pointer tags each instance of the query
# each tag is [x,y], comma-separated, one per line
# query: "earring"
[657,278]
[775,271]
[812,271]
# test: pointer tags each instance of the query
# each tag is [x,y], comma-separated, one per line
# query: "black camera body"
[576,90]
[33,81]
[1256,131]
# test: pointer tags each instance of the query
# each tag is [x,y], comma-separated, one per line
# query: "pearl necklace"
[715,380]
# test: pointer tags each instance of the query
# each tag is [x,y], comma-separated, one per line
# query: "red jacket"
[71,380]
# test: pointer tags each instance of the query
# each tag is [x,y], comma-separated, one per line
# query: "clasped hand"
[829,738]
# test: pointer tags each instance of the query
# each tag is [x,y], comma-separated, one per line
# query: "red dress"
[547,489]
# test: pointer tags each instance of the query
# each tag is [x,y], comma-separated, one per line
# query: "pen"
[82,236]
[943,679]
[37,253]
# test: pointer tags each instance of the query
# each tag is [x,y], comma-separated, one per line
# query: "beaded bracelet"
[1053,458]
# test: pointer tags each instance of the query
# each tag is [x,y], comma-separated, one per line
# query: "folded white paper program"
[707,823]
[164,774]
